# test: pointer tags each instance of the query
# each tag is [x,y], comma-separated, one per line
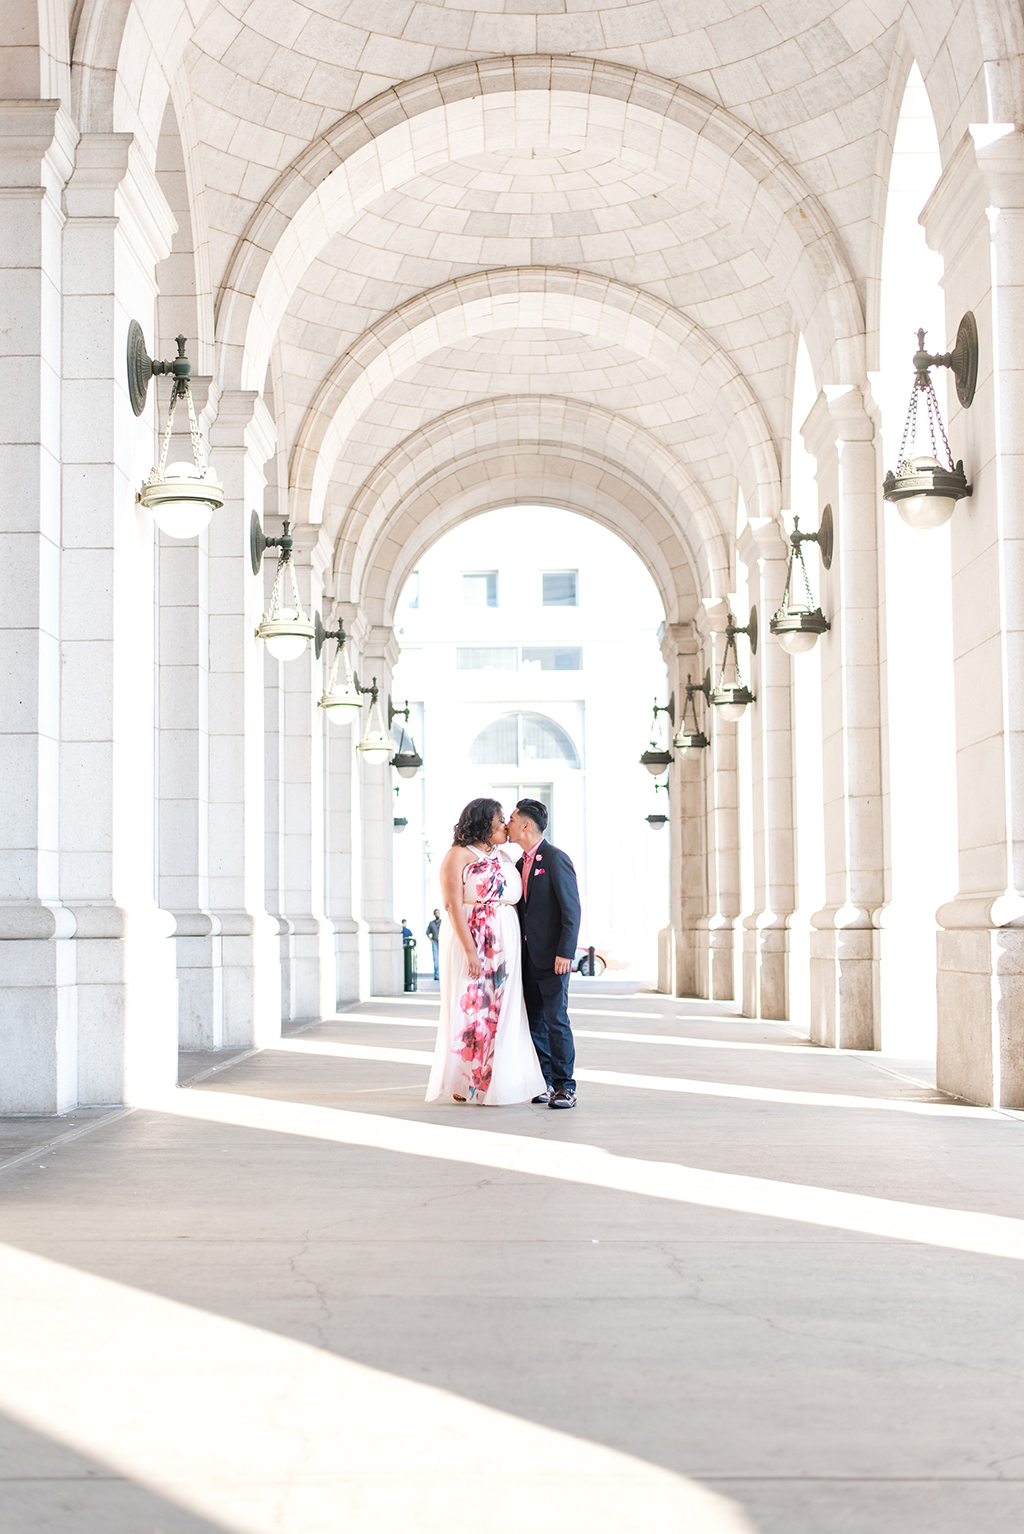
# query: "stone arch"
[418,494]
[537,296]
[120,48]
[648,120]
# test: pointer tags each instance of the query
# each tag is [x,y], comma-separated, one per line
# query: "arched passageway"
[469,260]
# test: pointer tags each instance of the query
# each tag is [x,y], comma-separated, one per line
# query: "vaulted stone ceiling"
[566,178]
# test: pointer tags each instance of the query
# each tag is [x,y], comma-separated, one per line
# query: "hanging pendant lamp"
[795,623]
[730,698]
[927,486]
[182,496]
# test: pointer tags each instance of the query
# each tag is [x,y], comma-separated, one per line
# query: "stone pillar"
[295,806]
[344,829]
[677,956]
[975,219]
[377,801]
[241,441]
[840,433]
[118,228]
[766,927]
[715,945]
[38,996]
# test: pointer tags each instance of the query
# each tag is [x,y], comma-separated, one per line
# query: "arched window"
[519,738]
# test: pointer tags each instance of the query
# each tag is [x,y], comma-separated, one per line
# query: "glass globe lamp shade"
[731,701]
[181,499]
[287,635]
[657,822]
[656,761]
[400,824]
[407,763]
[797,629]
[341,705]
[926,497]
[376,747]
[689,741]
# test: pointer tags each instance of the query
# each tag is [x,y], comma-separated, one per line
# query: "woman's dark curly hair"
[474,824]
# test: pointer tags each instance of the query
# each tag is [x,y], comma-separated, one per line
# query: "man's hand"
[563,966]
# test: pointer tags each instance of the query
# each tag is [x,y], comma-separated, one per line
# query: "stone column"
[377,800]
[840,433]
[241,441]
[118,228]
[677,947]
[975,219]
[38,996]
[344,829]
[715,945]
[295,804]
[766,928]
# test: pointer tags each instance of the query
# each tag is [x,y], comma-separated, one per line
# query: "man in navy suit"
[550,915]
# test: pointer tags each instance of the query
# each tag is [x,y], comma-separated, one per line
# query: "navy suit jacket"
[551,917]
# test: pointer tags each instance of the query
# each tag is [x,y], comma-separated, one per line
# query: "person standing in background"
[434,934]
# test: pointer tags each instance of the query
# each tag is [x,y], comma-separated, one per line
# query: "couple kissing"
[506,956]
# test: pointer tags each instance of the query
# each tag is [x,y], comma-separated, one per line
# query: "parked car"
[581,962]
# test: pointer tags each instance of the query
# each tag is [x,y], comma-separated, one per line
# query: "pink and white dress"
[484,1051]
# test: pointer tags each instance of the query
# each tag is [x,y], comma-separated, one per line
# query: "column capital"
[677,640]
[113,179]
[35,135]
[839,414]
[762,538]
[243,421]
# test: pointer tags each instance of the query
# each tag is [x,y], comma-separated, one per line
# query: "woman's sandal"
[457,1099]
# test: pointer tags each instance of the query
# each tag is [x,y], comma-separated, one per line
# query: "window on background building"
[411,594]
[560,588]
[485,659]
[480,590]
[517,738]
[550,658]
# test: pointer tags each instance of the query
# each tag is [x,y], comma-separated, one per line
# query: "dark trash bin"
[409,955]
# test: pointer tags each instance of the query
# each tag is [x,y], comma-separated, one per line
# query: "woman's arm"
[456,860]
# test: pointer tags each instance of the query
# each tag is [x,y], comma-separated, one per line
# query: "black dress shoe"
[565,1097]
[543,1097]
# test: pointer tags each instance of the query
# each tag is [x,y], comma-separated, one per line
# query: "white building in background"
[531,662]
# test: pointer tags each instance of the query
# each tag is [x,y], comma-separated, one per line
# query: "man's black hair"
[535,811]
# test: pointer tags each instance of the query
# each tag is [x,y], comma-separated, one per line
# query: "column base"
[667,962]
[308,971]
[766,967]
[980,1046]
[38,1026]
[714,960]
[385,958]
[251,971]
[844,984]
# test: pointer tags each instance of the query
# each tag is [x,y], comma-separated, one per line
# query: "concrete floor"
[748,1287]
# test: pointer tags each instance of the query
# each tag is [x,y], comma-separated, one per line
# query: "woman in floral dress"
[484,1051]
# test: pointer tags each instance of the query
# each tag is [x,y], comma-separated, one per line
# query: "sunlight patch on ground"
[792,1099]
[956,1229]
[265,1435]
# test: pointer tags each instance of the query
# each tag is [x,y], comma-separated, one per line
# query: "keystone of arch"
[537,297]
[541,450]
[644,120]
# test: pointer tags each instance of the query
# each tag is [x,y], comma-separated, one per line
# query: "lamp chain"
[934,419]
[198,450]
[796,553]
[333,677]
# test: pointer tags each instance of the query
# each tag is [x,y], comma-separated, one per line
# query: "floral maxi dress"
[484,1051]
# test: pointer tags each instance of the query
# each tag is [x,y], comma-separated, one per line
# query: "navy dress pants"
[547,1007]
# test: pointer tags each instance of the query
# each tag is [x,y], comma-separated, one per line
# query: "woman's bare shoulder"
[459,857]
